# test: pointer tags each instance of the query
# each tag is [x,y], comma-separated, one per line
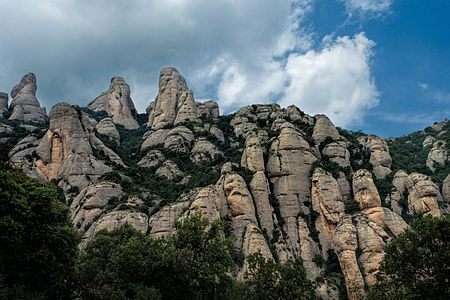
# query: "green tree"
[266,279]
[200,255]
[38,244]
[417,264]
[122,264]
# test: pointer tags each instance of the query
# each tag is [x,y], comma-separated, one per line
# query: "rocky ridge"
[291,185]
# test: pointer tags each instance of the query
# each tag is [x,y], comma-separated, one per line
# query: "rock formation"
[117,103]
[24,105]
[379,155]
[323,129]
[67,150]
[437,155]
[106,127]
[3,103]
[175,102]
[423,195]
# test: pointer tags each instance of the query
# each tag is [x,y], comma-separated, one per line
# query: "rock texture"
[288,168]
[437,156]
[423,195]
[175,102]
[323,129]
[379,155]
[24,105]
[445,207]
[117,103]
[3,103]
[106,127]
[66,152]
[92,201]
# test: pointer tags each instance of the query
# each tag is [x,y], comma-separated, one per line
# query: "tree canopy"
[417,264]
[38,243]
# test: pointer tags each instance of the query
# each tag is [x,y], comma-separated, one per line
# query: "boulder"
[337,151]
[117,103]
[445,207]
[364,190]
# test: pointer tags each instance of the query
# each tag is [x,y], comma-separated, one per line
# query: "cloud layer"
[234,52]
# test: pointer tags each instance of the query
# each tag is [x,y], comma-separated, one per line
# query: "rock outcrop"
[92,201]
[379,155]
[175,102]
[24,105]
[66,152]
[117,103]
[437,155]
[323,129]
[423,195]
[445,207]
[3,103]
[106,127]
[288,168]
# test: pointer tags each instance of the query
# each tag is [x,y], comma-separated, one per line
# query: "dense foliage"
[267,279]
[38,244]
[417,263]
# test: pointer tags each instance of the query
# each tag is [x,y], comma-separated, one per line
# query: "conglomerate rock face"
[175,102]
[24,105]
[288,184]
[117,103]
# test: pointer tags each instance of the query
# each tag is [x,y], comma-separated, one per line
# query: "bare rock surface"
[3,103]
[429,140]
[288,167]
[106,127]
[24,105]
[152,159]
[175,103]
[169,169]
[162,223]
[204,150]
[437,156]
[423,195]
[67,149]
[445,207]
[253,156]
[323,129]
[364,190]
[117,103]
[337,151]
[379,155]
[92,201]
[208,108]
[116,219]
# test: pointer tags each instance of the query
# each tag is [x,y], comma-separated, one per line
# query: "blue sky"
[381,66]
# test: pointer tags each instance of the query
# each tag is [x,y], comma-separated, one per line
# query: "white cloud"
[235,52]
[335,81]
[423,85]
[367,6]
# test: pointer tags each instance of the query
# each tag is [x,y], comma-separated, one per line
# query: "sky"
[380,66]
